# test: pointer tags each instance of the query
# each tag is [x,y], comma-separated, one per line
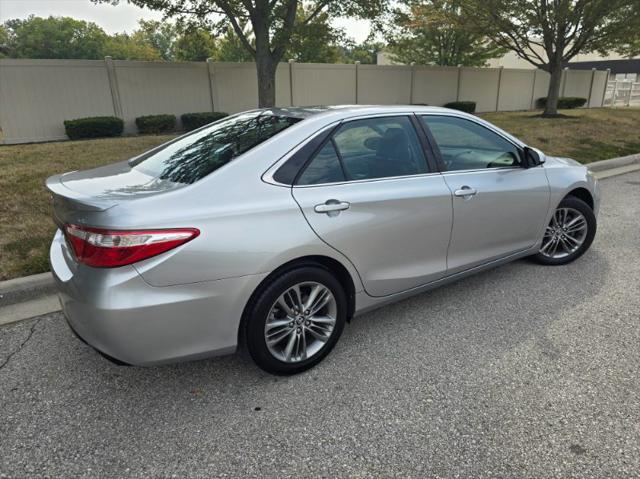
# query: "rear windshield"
[195,156]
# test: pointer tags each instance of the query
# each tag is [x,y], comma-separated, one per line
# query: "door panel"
[503,214]
[395,231]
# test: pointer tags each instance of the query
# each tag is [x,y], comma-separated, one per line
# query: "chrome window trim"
[368,180]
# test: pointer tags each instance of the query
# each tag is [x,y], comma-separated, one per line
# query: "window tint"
[324,168]
[465,145]
[379,147]
[204,151]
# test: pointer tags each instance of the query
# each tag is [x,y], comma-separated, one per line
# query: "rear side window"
[325,168]
[366,149]
[201,153]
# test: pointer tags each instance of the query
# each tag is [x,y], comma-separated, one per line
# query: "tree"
[365,52]
[434,32]
[160,35]
[273,23]
[194,45]
[54,37]
[549,33]
[4,42]
[122,46]
[231,49]
[315,41]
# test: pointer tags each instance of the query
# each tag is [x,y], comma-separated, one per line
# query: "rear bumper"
[119,314]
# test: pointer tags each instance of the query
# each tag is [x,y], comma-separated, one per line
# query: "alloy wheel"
[565,233]
[300,322]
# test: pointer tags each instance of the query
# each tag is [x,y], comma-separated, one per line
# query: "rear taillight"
[102,248]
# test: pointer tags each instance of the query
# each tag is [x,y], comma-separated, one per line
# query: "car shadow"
[466,324]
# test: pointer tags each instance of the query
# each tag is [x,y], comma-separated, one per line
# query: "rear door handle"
[465,191]
[332,206]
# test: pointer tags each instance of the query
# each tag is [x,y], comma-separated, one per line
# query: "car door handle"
[331,206]
[465,191]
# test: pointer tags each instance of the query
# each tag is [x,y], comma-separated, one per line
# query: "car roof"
[347,110]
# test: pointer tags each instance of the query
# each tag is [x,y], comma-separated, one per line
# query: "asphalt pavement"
[522,371]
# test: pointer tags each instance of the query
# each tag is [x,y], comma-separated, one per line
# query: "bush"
[466,106]
[93,127]
[156,123]
[564,102]
[191,121]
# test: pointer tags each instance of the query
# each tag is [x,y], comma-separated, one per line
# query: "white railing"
[622,93]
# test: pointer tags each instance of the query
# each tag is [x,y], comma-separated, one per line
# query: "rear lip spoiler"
[83,202]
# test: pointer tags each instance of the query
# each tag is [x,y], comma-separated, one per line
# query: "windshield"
[195,156]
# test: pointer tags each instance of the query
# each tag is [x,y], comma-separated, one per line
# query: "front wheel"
[296,320]
[569,233]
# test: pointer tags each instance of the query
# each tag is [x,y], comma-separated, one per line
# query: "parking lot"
[522,371]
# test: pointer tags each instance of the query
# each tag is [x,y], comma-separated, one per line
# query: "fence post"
[565,75]
[113,86]
[615,91]
[413,75]
[593,77]
[533,89]
[357,64]
[291,62]
[211,79]
[606,86]
[459,81]
[499,83]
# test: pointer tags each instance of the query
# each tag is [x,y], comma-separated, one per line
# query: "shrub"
[156,123]
[191,121]
[93,127]
[564,102]
[466,106]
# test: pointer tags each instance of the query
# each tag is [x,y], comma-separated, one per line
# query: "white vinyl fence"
[36,96]
[622,93]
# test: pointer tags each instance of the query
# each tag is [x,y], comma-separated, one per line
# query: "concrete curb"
[614,163]
[26,288]
[34,289]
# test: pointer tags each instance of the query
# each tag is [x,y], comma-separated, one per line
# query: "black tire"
[587,212]
[259,311]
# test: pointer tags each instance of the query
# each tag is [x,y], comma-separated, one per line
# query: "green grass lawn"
[26,228]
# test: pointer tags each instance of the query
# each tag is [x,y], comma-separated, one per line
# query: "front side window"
[465,145]
[367,149]
[195,156]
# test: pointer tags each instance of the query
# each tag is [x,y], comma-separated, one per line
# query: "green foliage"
[93,127]
[122,46]
[156,123]
[194,45]
[191,121]
[434,32]
[161,36]
[466,106]
[564,103]
[231,49]
[365,52]
[315,41]
[54,37]
[4,42]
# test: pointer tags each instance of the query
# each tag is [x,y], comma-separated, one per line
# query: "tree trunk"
[555,69]
[266,68]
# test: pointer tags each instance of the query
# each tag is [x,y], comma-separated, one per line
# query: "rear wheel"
[569,233]
[296,320]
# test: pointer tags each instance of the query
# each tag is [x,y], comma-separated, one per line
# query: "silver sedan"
[272,228]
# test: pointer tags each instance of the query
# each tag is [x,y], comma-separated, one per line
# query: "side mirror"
[533,158]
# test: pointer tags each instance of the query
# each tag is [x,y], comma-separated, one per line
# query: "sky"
[123,17]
